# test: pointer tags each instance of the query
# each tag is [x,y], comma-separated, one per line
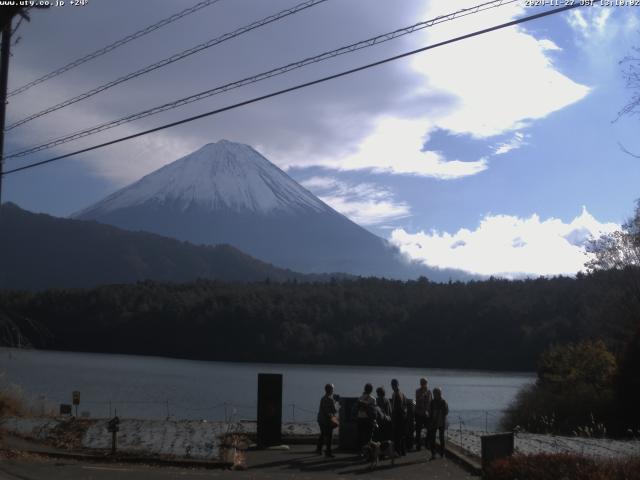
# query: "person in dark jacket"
[410,424]
[384,422]
[438,411]
[365,415]
[398,417]
[423,401]
[326,413]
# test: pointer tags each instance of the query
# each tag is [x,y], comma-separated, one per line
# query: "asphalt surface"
[298,463]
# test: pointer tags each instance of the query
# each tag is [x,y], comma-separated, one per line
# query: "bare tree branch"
[624,149]
[619,250]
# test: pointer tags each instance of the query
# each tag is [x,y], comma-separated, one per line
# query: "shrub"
[562,466]
[628,385]
[585,363]
[573,394]
[12,402]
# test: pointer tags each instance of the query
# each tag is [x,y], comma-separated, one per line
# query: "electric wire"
[167,61]
[262,76]
[112,46]
[298,87]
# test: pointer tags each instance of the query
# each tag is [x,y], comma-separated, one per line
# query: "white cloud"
[396,147]
[591,22]
[576,20]
[504,79]
[501,82]
[602,27]
[548,45]
[632,23]
[364,203]
[507,245]
[517,141]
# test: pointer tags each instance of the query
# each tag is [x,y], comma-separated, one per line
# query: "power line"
[298,87]
[171,59]
[113,46]
[263,76]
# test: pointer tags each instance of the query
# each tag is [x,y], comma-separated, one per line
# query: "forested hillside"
[40,251]
[493,324]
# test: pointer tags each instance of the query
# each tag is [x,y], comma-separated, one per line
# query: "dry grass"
[12,454]
[563,466]
[13,402]
[69,433]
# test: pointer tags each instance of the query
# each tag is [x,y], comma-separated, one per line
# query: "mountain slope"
[229,193]
[38,251]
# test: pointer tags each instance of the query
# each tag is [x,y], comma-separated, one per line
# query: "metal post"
[168,409]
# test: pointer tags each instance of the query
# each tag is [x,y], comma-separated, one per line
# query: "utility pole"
[6,18]
[7,14]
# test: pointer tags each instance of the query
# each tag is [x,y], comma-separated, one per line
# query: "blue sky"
[497,155]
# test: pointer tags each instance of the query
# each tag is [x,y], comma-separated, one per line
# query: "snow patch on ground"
[175,438]
[201,439]
[36,428]
[198,439]
[531,443]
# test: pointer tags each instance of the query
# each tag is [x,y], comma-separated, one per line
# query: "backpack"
[368,408]
[403,405]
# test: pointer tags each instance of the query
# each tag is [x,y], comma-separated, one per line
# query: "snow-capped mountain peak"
[219,176]
[227,193]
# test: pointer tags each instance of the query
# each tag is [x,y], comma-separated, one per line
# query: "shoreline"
[432,370]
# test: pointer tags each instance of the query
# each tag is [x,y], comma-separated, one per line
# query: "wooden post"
[114,442]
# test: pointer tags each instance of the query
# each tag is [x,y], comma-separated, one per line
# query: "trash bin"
[496,446]
[348,432]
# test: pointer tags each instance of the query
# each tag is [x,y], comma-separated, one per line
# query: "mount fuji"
[229,193]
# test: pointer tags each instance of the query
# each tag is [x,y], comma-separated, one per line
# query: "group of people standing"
[398,418]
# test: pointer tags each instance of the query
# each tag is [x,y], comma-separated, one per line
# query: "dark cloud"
[326,119]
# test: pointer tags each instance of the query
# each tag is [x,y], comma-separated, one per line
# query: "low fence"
[486,421]
[228,411]
[531,443]
[465,427]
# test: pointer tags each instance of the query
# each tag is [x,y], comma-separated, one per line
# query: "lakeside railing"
[228,411]
[465,428]
[531,443]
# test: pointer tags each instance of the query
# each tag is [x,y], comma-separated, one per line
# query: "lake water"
[155,387]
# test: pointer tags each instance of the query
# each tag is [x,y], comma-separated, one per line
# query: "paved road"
[297,464]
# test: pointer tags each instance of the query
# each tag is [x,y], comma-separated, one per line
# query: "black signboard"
[269,409]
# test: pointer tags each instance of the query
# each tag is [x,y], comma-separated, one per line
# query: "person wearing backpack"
[365,415]
[384,422]
[398,417]
[326,420]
